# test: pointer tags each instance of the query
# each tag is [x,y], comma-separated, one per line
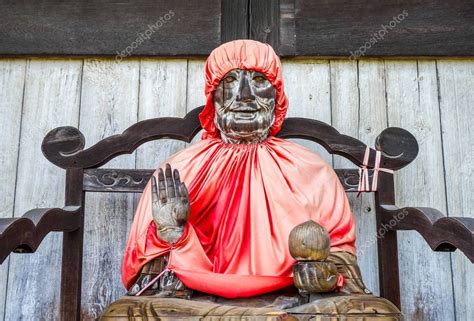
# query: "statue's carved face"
[245,106]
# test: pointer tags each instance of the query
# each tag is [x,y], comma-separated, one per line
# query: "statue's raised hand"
[170,202]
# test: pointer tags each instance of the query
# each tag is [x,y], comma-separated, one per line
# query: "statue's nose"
[245,92]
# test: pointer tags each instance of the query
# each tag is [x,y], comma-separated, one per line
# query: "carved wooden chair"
[64,147]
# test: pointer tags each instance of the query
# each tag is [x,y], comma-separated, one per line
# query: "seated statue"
[242,219]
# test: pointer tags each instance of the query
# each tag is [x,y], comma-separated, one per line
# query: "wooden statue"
[243,218]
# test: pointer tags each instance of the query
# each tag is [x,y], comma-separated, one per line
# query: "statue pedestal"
[325,308]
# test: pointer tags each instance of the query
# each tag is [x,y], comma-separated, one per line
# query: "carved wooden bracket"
[440,232]
[24,234]
[398,146]
[64,146]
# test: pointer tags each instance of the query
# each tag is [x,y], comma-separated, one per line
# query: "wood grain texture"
[51,98]
[344,103]
[339,28]
[262,308]
[357,100]
[412,103]
[12,81]
[264,22]
[234,21]
[309,241]
[387,244]
[106,27]
[372,120]
[311,98]
[345,116]
[287,27]
[109,104]
[195,88]
[456,83]
[168,309]
[294,27]
[162,93]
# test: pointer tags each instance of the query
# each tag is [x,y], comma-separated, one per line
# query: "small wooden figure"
[309,245]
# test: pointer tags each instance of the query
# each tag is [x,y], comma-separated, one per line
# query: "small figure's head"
[245,98]
[244,106]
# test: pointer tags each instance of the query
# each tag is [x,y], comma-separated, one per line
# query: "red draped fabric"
[244,200]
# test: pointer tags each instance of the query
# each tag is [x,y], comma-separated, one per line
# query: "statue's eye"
[259,79]
[229,79]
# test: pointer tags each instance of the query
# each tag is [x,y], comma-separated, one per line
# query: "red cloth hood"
[246,55]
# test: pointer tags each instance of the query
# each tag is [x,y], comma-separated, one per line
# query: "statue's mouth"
[245,109]
[245,113]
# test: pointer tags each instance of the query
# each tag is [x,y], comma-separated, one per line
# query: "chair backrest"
[64,147]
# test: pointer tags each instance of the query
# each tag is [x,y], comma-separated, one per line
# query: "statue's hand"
[309,244]
[315,277]
[170,202]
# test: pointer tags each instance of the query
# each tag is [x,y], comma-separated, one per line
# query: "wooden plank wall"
[431,98]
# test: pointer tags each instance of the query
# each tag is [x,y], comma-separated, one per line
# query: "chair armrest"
[440,232]
[24,234]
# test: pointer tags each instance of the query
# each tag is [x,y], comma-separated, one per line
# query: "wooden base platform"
[334,308]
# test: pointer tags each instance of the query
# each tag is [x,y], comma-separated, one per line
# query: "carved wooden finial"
[309,241]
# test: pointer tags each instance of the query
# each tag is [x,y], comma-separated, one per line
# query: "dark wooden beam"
[380,28]
[110,27]
[264,21]
[339,28]
[234,20]
[287,27]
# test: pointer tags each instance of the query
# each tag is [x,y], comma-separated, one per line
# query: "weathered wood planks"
[51,98]
[110,110]
[195,88]
[109,104]
[371,121]
[412,103]
[12,82]
[162,93]
[456,84]
[349,108]
[309,99]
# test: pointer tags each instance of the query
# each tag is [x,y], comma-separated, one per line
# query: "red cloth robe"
[244,199]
